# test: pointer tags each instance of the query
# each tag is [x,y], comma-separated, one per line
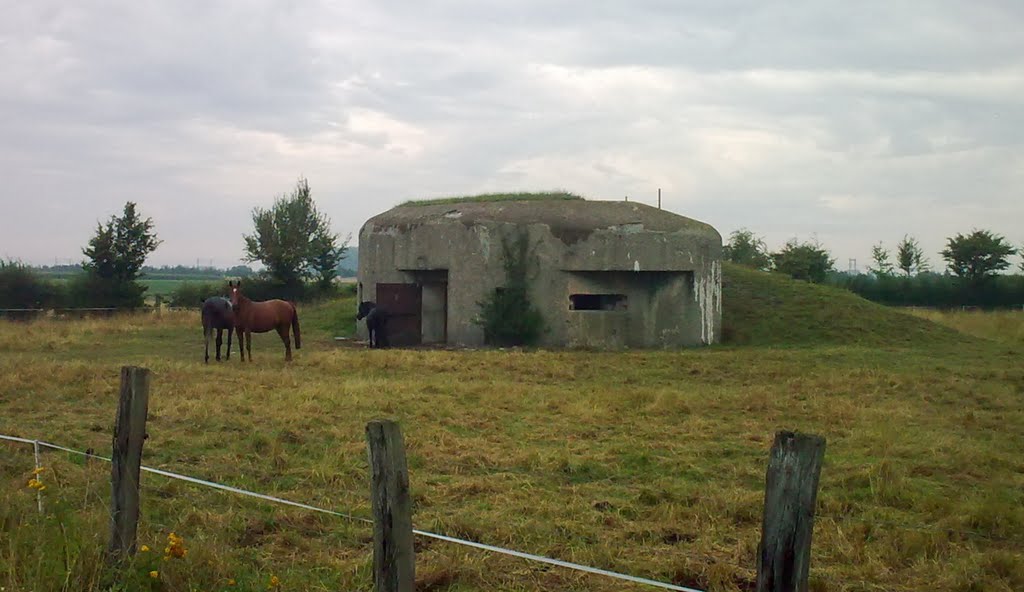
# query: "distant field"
[162,286]
[166,287]
[647,462]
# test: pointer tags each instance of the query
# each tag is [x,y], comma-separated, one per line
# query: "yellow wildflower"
[41,487]
[175,547]
[38,470]
[144,549]
[231,581]
[154,574]
[274,583]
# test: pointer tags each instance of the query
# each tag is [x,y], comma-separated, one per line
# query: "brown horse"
[260,317]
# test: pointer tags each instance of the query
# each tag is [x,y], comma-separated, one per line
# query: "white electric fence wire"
[440,537]
[39,475]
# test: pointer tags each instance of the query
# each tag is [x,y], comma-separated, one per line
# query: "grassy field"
[164,287]
[650,463]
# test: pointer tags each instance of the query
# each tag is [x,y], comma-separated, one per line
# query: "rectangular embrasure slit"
[600,302]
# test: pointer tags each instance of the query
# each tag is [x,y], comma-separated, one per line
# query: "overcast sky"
[851,122]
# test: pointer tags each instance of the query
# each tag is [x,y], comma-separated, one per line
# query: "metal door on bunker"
[403,304]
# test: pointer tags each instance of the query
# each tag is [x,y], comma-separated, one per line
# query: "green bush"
[91,291]
[265,288]
[807,261]
[20,287]
[192,294]
[507,315]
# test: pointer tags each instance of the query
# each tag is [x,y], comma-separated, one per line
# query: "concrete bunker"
[606,275]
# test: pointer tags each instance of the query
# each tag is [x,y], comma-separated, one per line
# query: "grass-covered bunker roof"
[569,217]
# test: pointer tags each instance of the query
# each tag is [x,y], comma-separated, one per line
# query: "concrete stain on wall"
[708,294]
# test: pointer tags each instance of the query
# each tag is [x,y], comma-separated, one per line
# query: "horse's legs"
[248,342]
[283,332]
[241,343]
[220,341]
[206,336]
[230,331]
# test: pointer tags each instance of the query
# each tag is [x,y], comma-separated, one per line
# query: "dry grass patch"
[1006,326]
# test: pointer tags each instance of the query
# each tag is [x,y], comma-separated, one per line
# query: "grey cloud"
[845,120]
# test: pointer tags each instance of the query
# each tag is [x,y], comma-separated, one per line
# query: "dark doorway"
[403,303]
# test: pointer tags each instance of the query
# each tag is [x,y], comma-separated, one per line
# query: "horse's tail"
[295,327]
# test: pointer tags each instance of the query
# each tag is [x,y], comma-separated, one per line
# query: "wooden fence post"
[394,565]
[791,489]
[129,433]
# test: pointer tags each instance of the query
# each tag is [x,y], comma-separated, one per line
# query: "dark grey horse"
[217,314]
[375,320]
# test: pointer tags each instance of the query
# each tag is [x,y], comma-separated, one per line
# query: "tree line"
[971,277]
[292,239]
[152,272]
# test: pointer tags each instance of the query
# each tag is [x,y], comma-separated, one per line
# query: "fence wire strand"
[423,533]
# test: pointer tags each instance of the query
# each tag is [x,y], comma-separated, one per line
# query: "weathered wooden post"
[129,434]
[791,489]
[394,565]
